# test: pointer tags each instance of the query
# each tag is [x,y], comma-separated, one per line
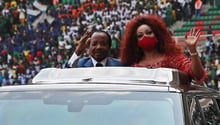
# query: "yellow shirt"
[14,3]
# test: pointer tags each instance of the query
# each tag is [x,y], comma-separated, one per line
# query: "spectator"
[198,7]
[1,77]
[187,11]
[218,48]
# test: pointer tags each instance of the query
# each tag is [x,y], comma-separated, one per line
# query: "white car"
[109,96]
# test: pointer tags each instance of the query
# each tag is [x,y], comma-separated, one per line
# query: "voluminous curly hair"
[130,53]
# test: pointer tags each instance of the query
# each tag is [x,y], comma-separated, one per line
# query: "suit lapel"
[108,62]
[88,63]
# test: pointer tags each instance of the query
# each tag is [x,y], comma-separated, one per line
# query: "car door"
[203,109]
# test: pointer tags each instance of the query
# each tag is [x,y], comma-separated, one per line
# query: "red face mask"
[148,43]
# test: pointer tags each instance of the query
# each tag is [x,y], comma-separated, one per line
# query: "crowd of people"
[211,61]
[37,35]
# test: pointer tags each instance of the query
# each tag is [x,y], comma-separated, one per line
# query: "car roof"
[109,87]
[111,75]
[111,78]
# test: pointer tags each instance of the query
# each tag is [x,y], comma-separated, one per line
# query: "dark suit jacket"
[87,62]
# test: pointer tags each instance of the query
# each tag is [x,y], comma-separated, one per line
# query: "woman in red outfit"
[148,43]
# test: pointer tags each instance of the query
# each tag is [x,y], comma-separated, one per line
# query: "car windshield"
[90,108]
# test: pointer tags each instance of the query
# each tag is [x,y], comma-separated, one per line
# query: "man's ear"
[88,42]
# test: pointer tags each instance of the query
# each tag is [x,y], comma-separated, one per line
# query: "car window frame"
[196,96]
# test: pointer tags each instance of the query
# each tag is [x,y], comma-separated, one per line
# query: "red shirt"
[180,62]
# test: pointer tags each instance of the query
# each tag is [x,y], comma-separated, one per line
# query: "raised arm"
[79,49]
[191,42]
[83,43]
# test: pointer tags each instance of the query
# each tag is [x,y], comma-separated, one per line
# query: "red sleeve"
[184,64]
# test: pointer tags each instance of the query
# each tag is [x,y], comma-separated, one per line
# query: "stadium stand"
[209,20]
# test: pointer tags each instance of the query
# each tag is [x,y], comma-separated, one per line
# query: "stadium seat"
[215,27]
[189,23]
[203,22]
[199,22]
[212,8]
[201,27]
[179,34]
[216,32]
[217,22]
[202,32]
[218,17]
[213,22]
[212,12]
[207,22]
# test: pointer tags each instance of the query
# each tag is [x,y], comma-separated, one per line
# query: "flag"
[40,6]
[33,12]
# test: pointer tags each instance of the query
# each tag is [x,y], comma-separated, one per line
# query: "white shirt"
[103,62]
[72,59]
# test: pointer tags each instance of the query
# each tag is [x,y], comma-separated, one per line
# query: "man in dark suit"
[98,45]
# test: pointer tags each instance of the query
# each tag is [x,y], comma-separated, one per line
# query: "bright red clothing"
[21,69]
[39,53]
[30,58]
[180,62]
[198,4]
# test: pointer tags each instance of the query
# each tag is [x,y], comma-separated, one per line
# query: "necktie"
[98,64]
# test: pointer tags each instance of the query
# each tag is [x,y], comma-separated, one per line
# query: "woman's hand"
[191,39]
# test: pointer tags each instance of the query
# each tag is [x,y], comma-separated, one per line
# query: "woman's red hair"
[130,53]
